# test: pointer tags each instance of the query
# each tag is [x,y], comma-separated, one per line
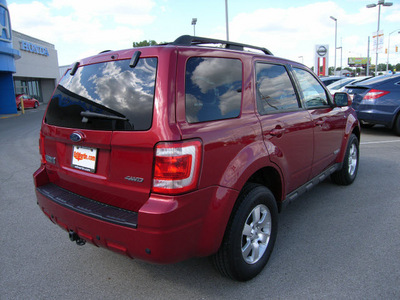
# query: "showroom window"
[29,87]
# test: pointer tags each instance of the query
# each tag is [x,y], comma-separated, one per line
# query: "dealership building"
[27,65]
[37,70]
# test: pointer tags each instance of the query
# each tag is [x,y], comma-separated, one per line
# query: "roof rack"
[188,40]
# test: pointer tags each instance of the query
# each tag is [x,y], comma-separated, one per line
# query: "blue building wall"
[7,65]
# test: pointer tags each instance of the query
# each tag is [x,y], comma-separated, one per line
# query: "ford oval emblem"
[76,137]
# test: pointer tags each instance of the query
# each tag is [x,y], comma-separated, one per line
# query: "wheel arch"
[396,122]
[267,176]
[270,178]
[356,131]
[352,127]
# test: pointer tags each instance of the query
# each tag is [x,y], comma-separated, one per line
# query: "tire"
[396,126]
[19,107]
[347,174]
[35,105]
[250,235]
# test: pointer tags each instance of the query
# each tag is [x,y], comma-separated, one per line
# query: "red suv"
[180,150]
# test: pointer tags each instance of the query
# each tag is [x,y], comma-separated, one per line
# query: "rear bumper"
[166,229]
[376,115]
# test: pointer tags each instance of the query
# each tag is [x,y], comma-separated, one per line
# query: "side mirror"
[342,99]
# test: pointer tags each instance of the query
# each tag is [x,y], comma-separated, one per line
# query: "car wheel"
[348,172]
[396,126]
[250,235]
[19,106]
[35,105]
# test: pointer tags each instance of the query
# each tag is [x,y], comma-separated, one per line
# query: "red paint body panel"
[163,223]
[294,146]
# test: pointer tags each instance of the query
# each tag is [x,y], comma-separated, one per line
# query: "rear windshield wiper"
[88,114]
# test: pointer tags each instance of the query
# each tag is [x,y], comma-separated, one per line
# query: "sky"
[289,29]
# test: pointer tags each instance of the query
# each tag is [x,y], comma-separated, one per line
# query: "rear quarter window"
[213,88]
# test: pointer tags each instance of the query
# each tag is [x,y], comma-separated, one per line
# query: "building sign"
[358,61]
[5,25]
[29,47]
[321,60]
[377,41]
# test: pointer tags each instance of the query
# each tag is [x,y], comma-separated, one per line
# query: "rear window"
[379,80]
[213,89]
[106,96]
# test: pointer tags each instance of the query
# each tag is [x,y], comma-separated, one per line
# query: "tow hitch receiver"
[74,237]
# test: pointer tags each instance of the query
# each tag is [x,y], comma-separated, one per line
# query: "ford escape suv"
[185,149]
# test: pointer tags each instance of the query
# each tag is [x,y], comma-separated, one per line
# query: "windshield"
[106,96]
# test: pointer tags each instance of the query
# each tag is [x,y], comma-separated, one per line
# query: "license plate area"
[84,158]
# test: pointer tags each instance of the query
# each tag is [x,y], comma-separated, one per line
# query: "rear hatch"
[95,135]
[359,90]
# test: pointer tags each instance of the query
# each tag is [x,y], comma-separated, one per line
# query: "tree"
[144,43]
[394,67]
[381,67]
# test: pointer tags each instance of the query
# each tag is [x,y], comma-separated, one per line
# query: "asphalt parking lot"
[333,242]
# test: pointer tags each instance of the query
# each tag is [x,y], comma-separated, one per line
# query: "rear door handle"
[277,132]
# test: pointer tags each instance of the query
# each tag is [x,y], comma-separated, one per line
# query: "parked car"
[180,150]
[377,101]
[330,79]
[340,85]
[29,101]
[335,86]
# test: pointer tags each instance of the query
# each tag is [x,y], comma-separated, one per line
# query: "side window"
[314,94]
[274,89]
[213,88]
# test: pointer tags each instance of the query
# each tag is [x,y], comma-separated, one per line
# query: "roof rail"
[188,40]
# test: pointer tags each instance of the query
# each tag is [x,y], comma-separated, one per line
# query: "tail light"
[176,167]
[375,94]
[41,148]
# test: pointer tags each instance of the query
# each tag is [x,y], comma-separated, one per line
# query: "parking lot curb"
[9,116]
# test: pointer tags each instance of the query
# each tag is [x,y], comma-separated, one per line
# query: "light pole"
[334,19]
[388,50]
[367,71]
[341,67]
[379,4]
[194,21]
[226,20]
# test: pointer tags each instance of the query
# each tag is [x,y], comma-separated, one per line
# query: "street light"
[341,58]
[226,20]
[379,4]
[334,19]
[194,21]
[388,50]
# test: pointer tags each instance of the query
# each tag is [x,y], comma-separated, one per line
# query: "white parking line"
[380,142]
